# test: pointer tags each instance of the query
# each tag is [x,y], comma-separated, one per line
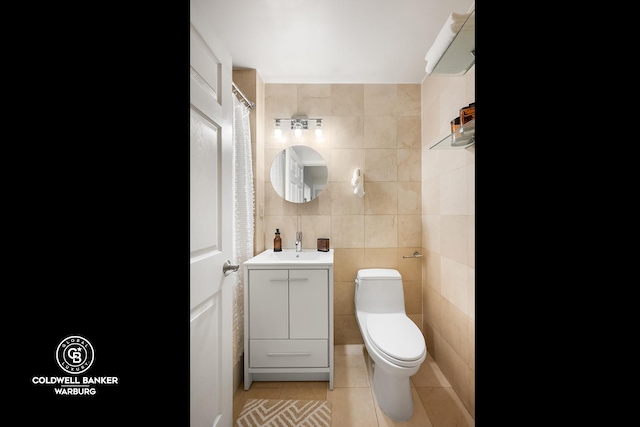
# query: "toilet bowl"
[394,343]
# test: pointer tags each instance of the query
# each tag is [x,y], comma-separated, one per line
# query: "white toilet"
[394,343]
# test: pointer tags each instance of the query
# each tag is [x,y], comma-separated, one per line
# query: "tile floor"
[353,401]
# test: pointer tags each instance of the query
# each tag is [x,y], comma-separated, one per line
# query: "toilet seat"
[397,338]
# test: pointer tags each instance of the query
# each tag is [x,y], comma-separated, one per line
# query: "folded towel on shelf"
[458,20]
[447,33]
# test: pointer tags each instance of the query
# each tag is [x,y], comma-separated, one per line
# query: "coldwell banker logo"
[75,355]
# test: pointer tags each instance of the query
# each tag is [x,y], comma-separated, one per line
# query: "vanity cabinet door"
[309,304]
[268,304]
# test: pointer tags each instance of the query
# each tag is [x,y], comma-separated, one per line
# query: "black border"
[97,206]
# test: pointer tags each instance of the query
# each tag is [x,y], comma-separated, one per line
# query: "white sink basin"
[296,256]
[290,256]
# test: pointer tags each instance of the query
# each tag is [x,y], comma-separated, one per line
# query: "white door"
[210,128]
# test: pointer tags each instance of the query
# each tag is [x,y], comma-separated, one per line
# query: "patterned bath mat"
[285,413]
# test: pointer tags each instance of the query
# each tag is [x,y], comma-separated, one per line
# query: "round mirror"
[299,174]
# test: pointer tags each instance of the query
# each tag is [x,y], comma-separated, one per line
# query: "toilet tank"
[379,290]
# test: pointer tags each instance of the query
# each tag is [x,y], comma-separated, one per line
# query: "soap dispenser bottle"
[277,242]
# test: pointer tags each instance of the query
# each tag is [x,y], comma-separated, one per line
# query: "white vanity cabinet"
[288,321]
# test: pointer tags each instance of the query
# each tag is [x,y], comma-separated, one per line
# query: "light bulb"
[318,129]
[297,130]
[277,133]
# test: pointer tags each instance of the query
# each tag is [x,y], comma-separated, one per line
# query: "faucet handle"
[299,235]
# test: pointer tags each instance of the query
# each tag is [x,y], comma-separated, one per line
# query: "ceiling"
[331,41]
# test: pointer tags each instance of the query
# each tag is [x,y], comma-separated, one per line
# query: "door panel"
[268,304]
[210,301]
[309,303]
[204,199]
[205,339]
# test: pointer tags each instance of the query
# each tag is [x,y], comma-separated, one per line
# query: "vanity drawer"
[289,354]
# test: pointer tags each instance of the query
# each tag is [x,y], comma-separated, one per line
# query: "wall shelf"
[463,137]
[460,55]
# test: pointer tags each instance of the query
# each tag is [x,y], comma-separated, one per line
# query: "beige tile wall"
[374,127]
[448,224]
[416,199]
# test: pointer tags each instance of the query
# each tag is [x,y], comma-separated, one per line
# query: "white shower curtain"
[243,208]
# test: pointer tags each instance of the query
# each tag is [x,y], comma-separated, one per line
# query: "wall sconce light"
[277,132]
[298,125]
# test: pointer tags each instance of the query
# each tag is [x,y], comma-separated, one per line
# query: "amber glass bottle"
[277,242]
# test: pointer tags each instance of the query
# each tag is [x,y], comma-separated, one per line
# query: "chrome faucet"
[299,241]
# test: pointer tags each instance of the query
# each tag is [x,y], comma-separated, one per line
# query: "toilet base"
[393,393]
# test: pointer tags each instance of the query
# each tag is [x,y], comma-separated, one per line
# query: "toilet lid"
[378,274]
[396,335]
